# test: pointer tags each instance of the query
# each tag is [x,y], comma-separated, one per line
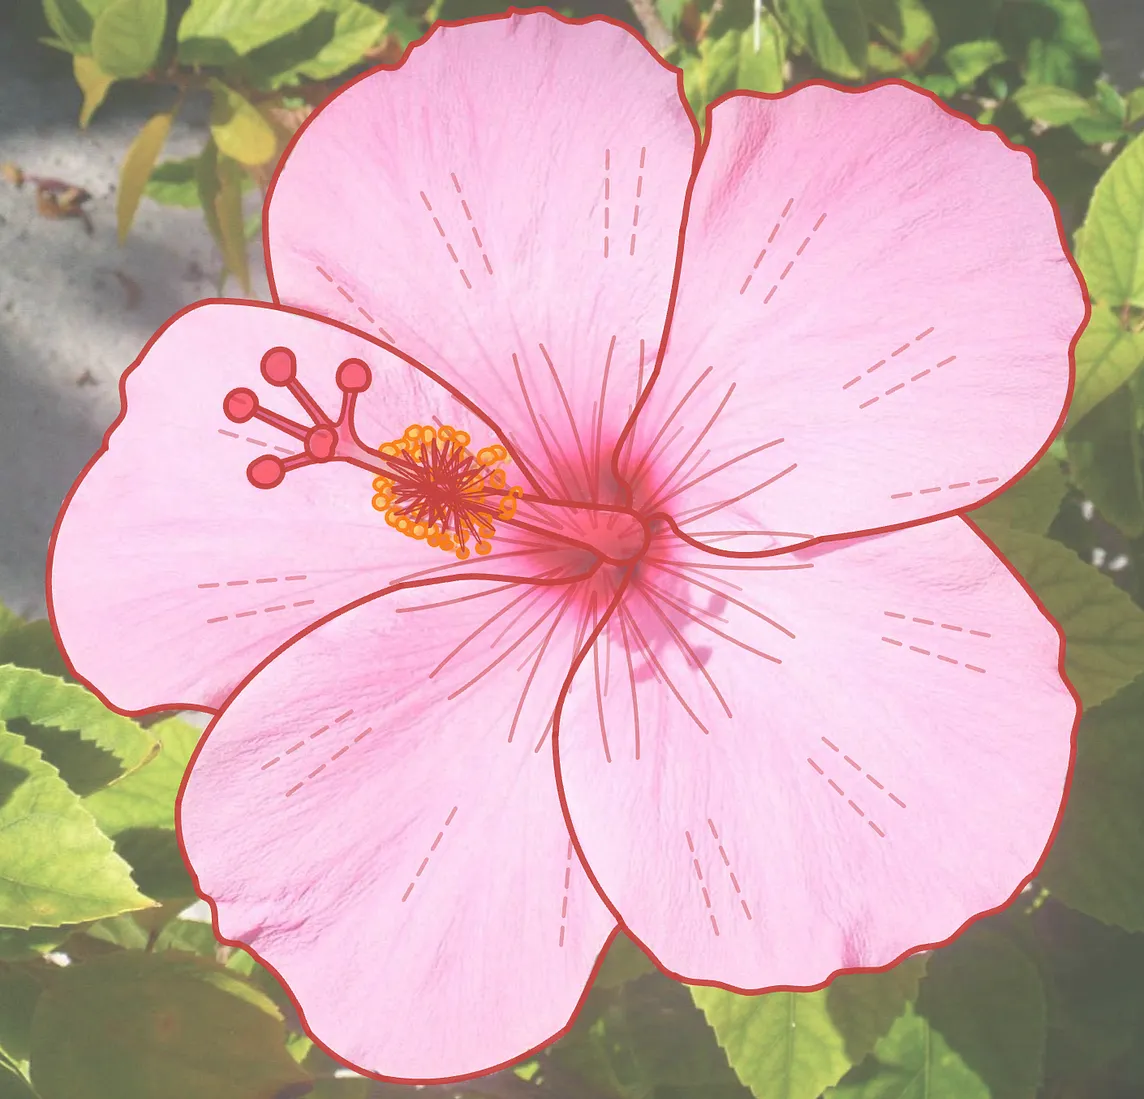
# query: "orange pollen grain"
[437,491]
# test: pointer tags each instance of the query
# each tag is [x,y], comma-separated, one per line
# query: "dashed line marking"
[926,652]
[444,237]
[257,442]
[322,766]
[938,488]
[425,861]
[857,766]
[762,254]
[639,191]
[346,294]
[567,887]
[265,610]
[882,362]
[932,622]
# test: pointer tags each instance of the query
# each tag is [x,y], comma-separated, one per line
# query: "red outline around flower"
[701,149]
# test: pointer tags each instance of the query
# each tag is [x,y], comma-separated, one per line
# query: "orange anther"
[436,491]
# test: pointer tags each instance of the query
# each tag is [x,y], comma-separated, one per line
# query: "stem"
[654,28]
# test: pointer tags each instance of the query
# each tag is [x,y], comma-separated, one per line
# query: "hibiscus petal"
[166,547]
[505,207]
[873,325]
[375,814]
[840,754]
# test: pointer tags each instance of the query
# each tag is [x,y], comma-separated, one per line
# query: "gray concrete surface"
[76,309]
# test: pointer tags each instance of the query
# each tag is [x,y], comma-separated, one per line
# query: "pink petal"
[376,815]
[873,325]
[505,207]
[842,754]
[171,575]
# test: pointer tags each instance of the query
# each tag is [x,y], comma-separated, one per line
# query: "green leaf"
[220,193]
[1095,121]
[1134,106]
[1108,354]
[1031,504]
[26,945]
[1110,247]
[138,812]
[19,991]
[73,20]
[887,16]
[709,74]
[133,1025]
[913,1061]
[1057,39]
[761,69]
[46,700]
[646,1037]
[793,1045]
[671,11]
[136,169]
[127,35]
[1106,460]
[833,31]
[93,82]
[13,1084]
[218,32]
[907,26]
[29,644]
[1111,101]
[146,797]
[192,936]
[1054,106]
[1094,981]
[624,962]
[985,998]
[356,28]
[239,130]
[331,42]
[173,183]
[1095,864]
[1104,629]
[863,1006]
[56,867]
[968,61]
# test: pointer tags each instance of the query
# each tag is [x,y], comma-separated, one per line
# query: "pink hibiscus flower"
[574,543]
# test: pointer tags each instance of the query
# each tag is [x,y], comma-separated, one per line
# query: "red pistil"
[324,440]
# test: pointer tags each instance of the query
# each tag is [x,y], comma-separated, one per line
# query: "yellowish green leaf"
[220,192]
[1110,247]
[794,1045]
[56,867]
[913,1061]
[834,32]
[239,130]
[762,55]
[1104,628]
[93,82]
[127,35]
[1108,353]
[136,170]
